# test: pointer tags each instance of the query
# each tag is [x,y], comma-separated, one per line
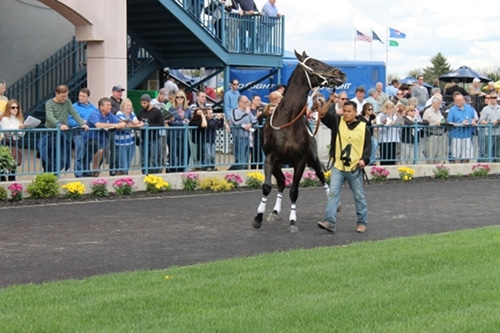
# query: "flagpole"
[371,46]
[386,51]
[354,43]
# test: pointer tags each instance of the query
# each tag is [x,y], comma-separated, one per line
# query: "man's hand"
[64,127]
[361,164]
[85,127]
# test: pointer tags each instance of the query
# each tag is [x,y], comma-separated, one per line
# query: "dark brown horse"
[287,138]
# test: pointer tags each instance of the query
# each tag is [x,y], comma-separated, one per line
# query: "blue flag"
[393,33]
[376,37]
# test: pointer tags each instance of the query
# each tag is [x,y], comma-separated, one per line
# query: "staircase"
[162,33]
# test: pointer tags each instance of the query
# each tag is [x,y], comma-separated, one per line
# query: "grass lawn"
[437,283]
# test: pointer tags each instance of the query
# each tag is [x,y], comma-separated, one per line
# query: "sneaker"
[361,228]
[326,225]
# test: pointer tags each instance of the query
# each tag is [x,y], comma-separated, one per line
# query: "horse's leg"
[266,189]
[280,180]
[298,170]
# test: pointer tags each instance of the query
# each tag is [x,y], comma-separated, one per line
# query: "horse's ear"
[304,54]
[296,54]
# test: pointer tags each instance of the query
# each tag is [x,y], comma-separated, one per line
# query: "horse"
[287,139]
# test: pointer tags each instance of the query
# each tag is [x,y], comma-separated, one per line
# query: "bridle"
[307,71]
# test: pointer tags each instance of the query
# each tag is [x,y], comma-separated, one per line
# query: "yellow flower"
[74,189]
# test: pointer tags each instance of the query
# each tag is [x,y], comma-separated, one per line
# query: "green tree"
[439,67]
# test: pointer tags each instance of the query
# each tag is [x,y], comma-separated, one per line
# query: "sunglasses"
[399,93]
[370,109]
[14,107]
[179,97]
[344,99]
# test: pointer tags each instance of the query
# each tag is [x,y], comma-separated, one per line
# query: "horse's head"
[320,74]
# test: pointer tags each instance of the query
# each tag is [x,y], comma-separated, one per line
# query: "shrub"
[406,173]
[99,187]
[234,179]
[190,181]
[16,192]
[215,184]
[480,170]
[441,171]
[328,175]
[309,179]
[288,178]
[379,173]
[44,186]
[124,186]
[155,184]
[74,190]
[7,162]
[254,179]
[3,193]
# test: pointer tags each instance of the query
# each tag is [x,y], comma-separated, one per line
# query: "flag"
[393,43]
[393,33]
[376,37]
[362,37]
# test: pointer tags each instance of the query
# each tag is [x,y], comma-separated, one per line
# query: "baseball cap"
[118,88]
[403,101]
[163,91]
[146,98]
[476,80]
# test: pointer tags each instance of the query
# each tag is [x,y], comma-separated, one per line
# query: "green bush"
[44,186]
[7,162]
[3,194]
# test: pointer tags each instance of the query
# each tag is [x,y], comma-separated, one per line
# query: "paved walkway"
[78,240]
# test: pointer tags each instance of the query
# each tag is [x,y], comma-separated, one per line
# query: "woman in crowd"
[388,133]
[124,139]
[368,116]
[199,121]
[13,119]
[181,115]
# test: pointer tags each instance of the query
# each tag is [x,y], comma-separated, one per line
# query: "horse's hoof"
[339,208]
[272,217]
[293,228]
[257,221]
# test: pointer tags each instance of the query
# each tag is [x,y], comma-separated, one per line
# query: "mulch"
[47,240]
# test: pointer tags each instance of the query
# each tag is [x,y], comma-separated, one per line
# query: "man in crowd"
[116,101]
[392,89]
[256,157]
[359,99]
[436,143]
[381,96]
[350,148]
[84,108]
[96,141]
[153,118]
[243,120]
[231,98]
[420,92]
[491,115]
[462,117]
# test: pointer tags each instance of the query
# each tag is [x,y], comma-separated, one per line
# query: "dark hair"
[86,91]
[352,103]
[366,106]
[360,89]
[62,89]
[103,100]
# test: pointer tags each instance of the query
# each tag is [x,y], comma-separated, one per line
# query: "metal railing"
[33,89]
[255,34]
[185,148]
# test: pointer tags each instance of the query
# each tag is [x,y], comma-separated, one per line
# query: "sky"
[326,29]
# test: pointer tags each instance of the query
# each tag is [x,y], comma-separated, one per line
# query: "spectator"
[461,116]
[116,102]
[454,88]
[359,99]
[381,97]
[57,111]
[12,119]
[199,121]
[244,121]
[231,99]
[341,99]
[435,92]
[96,141]
[84,108]
[409,135]
[281,88]
[246,9]
[274,99]
[161,102]
[214,122]
[372,99]
[491,115]
[369,117]
[490,87]
[182,114]
[151,117]
[388,134]
[216,9]
[420,92]
[270,16]
[3,98]
[124,139]
[435,145]
[392,89]
[475,89]
[170,84]
[256,155]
